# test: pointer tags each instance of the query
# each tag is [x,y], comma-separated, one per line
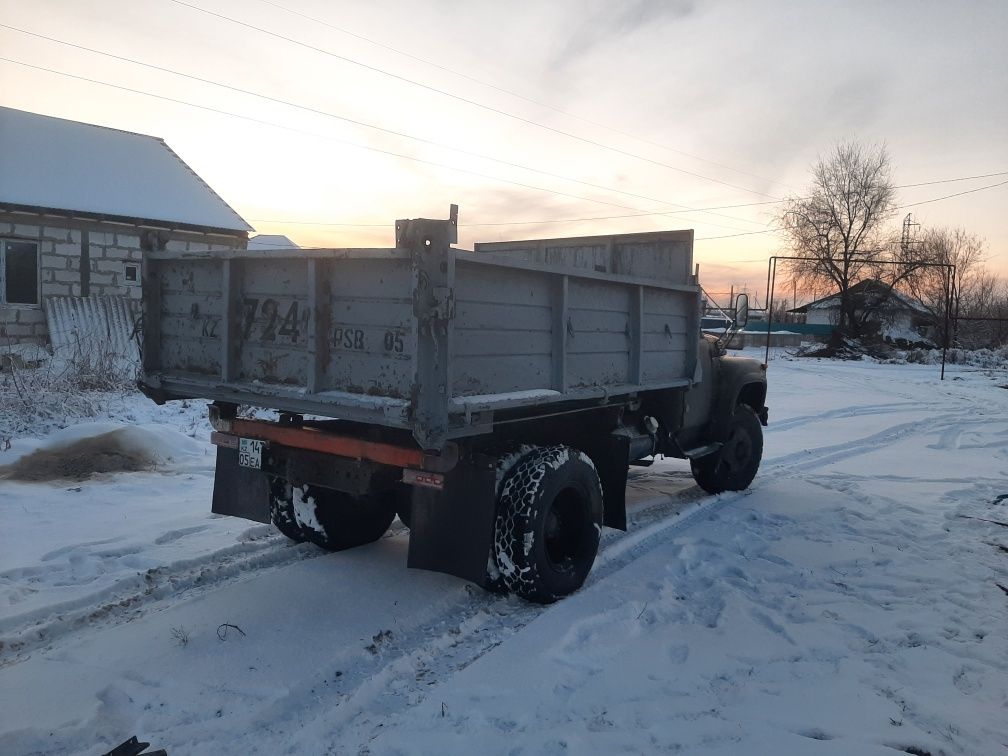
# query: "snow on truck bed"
[848,603]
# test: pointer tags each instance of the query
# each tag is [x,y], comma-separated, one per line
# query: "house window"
[19,272]
[131,272]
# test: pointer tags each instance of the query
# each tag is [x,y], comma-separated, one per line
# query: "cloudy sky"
[539,119]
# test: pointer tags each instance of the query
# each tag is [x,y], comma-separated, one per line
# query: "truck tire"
[282,510]
[508,455]
[335,521]
[549,517]
[734,465]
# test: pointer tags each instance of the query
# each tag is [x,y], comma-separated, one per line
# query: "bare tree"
[974,289]
[985,293]
[839,226]
[967,252]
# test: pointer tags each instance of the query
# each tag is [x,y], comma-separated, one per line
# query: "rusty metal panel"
[79,324]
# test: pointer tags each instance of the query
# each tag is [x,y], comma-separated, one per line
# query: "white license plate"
[250,453]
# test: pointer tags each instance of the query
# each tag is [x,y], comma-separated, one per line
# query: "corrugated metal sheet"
[93,322]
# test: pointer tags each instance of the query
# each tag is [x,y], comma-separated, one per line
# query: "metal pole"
[948,310]
[769,320]
[955,296]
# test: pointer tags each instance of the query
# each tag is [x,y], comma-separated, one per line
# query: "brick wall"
[65,270]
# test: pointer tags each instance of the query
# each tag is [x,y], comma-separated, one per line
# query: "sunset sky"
[551,111]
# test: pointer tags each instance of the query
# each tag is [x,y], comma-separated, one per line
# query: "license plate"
[250,453]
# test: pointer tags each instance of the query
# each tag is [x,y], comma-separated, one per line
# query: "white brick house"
[80,204]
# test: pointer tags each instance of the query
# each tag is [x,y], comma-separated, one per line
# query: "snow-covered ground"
[849,603]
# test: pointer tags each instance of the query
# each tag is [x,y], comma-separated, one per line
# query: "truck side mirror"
[741,311]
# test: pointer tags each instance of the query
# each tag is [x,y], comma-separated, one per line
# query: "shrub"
[52,387]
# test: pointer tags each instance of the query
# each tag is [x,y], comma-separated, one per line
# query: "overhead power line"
[346,119]
[953,180]
[683,208]
[328,137]
[732,236]
[957,194]
[524,223]
[555,221]
[461,98]
[638,215]
[509,92]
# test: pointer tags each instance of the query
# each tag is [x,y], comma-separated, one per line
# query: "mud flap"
[239,491]
[451,530]
[611,462]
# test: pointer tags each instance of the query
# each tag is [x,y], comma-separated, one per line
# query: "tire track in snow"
[649,522]
[810,459]
[846,378]
[395,686]
[868,410]
[652,521]
[129,597]
[415,661]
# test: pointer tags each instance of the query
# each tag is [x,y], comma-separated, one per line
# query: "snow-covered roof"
[864,289]
[271,241]
[56,164]
[834,302]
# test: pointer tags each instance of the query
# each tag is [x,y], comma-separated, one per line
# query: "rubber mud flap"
[451,530]
[239,491]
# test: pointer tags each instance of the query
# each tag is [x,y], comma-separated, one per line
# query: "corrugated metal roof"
[57,164]
[83,323]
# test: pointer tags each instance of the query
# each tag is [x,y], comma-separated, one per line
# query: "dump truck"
[492,399]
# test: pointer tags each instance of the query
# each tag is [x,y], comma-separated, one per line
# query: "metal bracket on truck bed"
[429,244]
[402,227]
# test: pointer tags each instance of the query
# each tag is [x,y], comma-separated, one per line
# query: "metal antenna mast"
[909,230]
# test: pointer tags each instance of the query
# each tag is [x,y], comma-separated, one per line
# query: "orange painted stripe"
[314,439]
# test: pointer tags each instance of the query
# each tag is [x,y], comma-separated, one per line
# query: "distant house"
[271,241]
[79,207]
[897,315]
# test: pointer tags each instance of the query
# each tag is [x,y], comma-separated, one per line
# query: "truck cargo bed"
[423,336]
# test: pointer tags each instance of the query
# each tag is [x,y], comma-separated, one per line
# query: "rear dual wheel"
[546,531]
[330,519]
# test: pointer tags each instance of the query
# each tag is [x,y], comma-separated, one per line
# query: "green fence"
[811,329]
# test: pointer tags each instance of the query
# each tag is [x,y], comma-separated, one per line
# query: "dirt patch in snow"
[80,460]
